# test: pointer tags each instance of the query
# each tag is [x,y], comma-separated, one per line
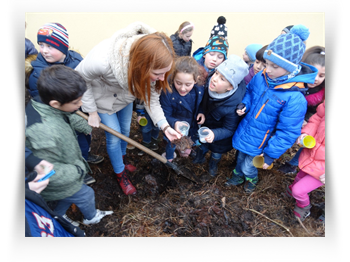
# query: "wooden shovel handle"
[127,139]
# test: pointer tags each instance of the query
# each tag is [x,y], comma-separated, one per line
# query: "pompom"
[301,31]
[221,20]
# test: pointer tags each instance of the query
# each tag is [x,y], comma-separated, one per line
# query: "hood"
[118,53]
[306,75]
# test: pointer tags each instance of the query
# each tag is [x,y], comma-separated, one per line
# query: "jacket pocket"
[266,134]
[262,107]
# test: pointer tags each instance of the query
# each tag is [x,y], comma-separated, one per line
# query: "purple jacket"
[250,75]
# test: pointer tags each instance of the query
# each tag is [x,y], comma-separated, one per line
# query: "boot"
[128,165]
[250,184]
[200,156]
[235,180]
[213,166]
[125,183]
[302,212]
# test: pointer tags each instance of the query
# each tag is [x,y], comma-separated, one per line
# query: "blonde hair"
[153,51]
[189,29]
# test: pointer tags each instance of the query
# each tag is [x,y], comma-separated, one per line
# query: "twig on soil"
[301,223]
[270,220]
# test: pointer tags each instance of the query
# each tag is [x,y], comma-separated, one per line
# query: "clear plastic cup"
[203,132]
[184,127]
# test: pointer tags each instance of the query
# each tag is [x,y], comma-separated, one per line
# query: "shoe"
[170,160]
[97,218]
[89,179]
[288,169]
[125,183]
[94,159]
[236,180]
[130,146]
[153,145]
[250,184]
[74,223]
[302,212]
[213,166]
[200,157]
[128,165]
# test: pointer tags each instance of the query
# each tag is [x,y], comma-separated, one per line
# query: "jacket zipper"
[264,138]
[262,107]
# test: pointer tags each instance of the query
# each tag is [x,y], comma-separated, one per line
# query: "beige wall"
[87,29]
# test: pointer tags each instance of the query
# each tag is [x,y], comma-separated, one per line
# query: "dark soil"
[170,205]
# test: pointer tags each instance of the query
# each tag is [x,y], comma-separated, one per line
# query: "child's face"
[186,37]
[274,71]
[321,75]
[246,57]
[184,83]
[51,54]
[71,106]
[258,66]
[219,84]
[213,59]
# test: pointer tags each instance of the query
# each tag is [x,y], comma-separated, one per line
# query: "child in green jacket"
[50,135]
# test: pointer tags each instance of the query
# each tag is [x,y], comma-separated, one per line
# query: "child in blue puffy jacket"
[274,107]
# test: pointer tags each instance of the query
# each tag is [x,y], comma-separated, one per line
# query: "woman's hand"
[170,133]
[94,119]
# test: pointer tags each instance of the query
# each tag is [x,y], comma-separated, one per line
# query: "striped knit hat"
[56,35]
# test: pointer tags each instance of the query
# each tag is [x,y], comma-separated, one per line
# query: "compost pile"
[169,205]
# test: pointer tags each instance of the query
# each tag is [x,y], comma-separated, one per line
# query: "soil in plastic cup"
[307,142]
[259,161]
[184,128]
[203,132]
[143,121]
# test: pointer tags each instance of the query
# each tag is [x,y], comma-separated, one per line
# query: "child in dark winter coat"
[225,91]
[274,106]
[53,42]
[182,104]
[182,41]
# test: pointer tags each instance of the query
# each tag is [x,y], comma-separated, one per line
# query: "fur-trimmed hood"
[119,50]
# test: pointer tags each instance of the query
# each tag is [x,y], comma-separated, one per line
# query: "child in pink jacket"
[311,164]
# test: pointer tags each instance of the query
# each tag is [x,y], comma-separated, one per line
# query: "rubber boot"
[213,166]
[125,183]
[200,156]
[128,165]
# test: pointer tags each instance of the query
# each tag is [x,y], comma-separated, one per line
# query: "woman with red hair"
[134,63]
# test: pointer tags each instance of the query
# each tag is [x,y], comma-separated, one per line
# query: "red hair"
[150,52]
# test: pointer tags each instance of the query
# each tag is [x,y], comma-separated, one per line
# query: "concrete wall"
[87,29]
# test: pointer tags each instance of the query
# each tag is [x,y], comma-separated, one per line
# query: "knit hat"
[287,50]
[220,29]
[234,69]
[216,44]
[251,51]
[54,34]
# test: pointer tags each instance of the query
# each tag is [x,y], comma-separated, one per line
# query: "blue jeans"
[245,166]
[169,150]
[84,199]
[116,147]
[84,143]
[150,130]
[295,160]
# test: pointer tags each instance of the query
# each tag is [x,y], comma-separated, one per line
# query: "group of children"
[260,104]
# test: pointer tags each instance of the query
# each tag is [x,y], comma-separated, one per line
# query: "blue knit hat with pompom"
[287,50]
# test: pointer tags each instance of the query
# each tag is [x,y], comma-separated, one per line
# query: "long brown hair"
[150,52]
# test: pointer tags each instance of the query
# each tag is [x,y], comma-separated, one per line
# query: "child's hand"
[94,119]
[43,167]
[210,137]
[300,138]
[200,119]
[241,112]
[38,186]
[304,124]
[185,153]
[323,179]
